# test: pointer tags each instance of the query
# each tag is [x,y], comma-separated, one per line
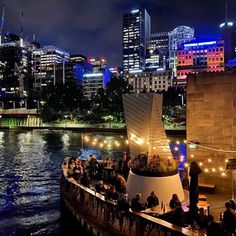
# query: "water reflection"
[29,181]
[30,176]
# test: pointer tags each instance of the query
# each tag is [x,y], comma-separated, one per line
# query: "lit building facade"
[158,51]
[136,37]
[150,81]
[179,35]
[15,75]
[44,63]
[99,64]
[196,57]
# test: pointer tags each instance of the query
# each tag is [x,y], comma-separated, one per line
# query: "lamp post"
[182,98]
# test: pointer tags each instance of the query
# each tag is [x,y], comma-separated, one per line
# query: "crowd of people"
[90,175]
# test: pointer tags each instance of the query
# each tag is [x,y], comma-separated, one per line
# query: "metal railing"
[105,216]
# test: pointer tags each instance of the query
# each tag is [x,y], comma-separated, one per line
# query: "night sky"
[94,27]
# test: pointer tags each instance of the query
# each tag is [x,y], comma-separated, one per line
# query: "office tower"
[196,57]
[180,34]
[158,51]
[228,34]
[44,65]
[15,73]
[136,37]
[99,64]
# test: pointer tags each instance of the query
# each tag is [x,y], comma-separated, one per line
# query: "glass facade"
[180,34]
[136,37]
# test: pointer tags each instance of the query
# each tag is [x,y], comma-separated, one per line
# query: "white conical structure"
[143,117]
[146,134]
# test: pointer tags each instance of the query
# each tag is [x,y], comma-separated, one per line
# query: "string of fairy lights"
[207,165]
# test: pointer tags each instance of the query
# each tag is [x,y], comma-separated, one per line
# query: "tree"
[61,100]
[114,91]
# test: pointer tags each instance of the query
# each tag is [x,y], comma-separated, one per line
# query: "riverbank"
[87,128]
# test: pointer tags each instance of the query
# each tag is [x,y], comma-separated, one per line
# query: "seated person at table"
[174,202]
[99,187]
[152,200]
[111,194]
[202,219]
[213,228]
[178,216]
[85,180]
[78,171]
[136,204]
[120,183]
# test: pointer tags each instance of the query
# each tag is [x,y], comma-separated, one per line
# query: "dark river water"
[30,174]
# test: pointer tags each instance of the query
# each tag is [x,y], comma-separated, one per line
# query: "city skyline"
[96,29]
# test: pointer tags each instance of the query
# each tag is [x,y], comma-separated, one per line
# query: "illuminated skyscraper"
[44,65]
[136,37]
[158,51]
[228,34]
[196,57]
[180,34]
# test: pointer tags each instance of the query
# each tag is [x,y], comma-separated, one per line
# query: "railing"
[104,215]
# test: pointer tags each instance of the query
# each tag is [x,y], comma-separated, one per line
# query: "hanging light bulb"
[206,170]
[209,160]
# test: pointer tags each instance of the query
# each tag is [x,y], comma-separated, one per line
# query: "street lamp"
[182,98]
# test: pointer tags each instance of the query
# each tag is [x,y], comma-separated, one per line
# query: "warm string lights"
[206,165]
[104,143]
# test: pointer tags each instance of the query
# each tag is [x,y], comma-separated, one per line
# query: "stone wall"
[211,123]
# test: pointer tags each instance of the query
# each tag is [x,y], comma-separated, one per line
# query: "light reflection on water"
[30,178]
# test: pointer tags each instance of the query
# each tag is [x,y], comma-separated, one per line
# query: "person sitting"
[99,187]
[77,171]
[120,183]
[174,202]
[123,207]
[229,219]
[85,180]
[152,200]
[112,194]
[213,228]
[202,219]
[136,204]
[178,216]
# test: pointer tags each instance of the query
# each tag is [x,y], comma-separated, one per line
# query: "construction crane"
[2,22]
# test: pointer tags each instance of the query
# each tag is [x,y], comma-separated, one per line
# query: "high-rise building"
[228,34]
[44,65]
[196,57]
[15,74]
[180,34]
[99,64]
[136,37]
[158,51]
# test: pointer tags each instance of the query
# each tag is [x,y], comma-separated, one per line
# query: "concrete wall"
[211,122]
